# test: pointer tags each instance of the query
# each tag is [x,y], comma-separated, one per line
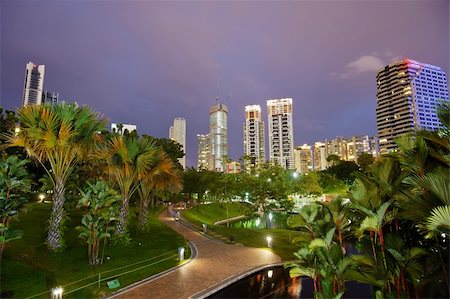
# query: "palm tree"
[128,159]
[57,137]
[163,176]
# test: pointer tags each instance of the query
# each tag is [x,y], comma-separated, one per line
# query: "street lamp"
[41,197]
[269,241]
[57,293]
[295,175]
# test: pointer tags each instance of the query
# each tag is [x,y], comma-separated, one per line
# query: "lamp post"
[269,241]
[57,293]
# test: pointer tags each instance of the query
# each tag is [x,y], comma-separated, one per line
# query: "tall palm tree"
[57,137]
[162,177]
[128,159]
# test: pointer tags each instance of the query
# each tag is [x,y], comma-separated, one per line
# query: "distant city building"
[408,93]
[51,98]
[303,158]
[218,124]
[233,167]
[204,151]
[177,132]
[281,135]
[320,156]
[345,148]
[33,84]
[123,128]
[254,137]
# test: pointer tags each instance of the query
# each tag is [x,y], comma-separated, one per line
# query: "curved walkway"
[215,262]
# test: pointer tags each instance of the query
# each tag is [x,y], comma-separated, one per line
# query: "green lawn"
[210,213]
[28,268]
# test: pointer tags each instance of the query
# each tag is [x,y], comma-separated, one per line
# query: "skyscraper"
[281,135]
[33,84]
[408,93]
[303,158]
[177,132]
[254,137]
[218,125]
[51,98]
[204,151]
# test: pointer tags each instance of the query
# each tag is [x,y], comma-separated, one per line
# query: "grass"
[210,213]
[28,268]
[252,237]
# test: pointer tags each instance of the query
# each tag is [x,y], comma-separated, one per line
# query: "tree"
[101,203]
[333,159]
[14,183]
[364,160]
[172,148]
[163,177]
[128,159]
[57,137]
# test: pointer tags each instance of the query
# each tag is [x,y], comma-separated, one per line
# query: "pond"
[275,282]
[269,220]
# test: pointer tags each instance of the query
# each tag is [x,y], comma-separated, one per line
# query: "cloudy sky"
[147,62]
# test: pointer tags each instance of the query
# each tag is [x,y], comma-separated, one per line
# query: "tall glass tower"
[177,132]
[33,85]
[218,125]
[408,93]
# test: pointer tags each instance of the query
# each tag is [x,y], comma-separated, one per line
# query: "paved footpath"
[215,262]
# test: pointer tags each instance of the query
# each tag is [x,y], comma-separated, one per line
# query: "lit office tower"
[218,115]
[204,151]
[407,95]
[177,132]
[51,98]
[254,137]
[33,85]
[281,135]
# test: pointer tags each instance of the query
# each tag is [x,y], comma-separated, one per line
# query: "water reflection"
[275,282]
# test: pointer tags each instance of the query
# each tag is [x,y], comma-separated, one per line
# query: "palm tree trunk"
[143,214]
[123,217]
[54,237]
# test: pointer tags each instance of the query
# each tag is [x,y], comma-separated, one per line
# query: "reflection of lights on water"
[270,273]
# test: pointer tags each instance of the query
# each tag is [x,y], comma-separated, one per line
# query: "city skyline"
[131,60]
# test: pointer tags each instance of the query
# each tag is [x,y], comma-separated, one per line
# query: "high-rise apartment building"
[281,135]
[320,156]
[33,84]
[218,125]
[51,98]
[303,158]
[177,132]
[408,93]
[204,151]
[254,137]
[345,148]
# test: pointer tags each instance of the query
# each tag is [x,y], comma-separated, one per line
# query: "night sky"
[145,62]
